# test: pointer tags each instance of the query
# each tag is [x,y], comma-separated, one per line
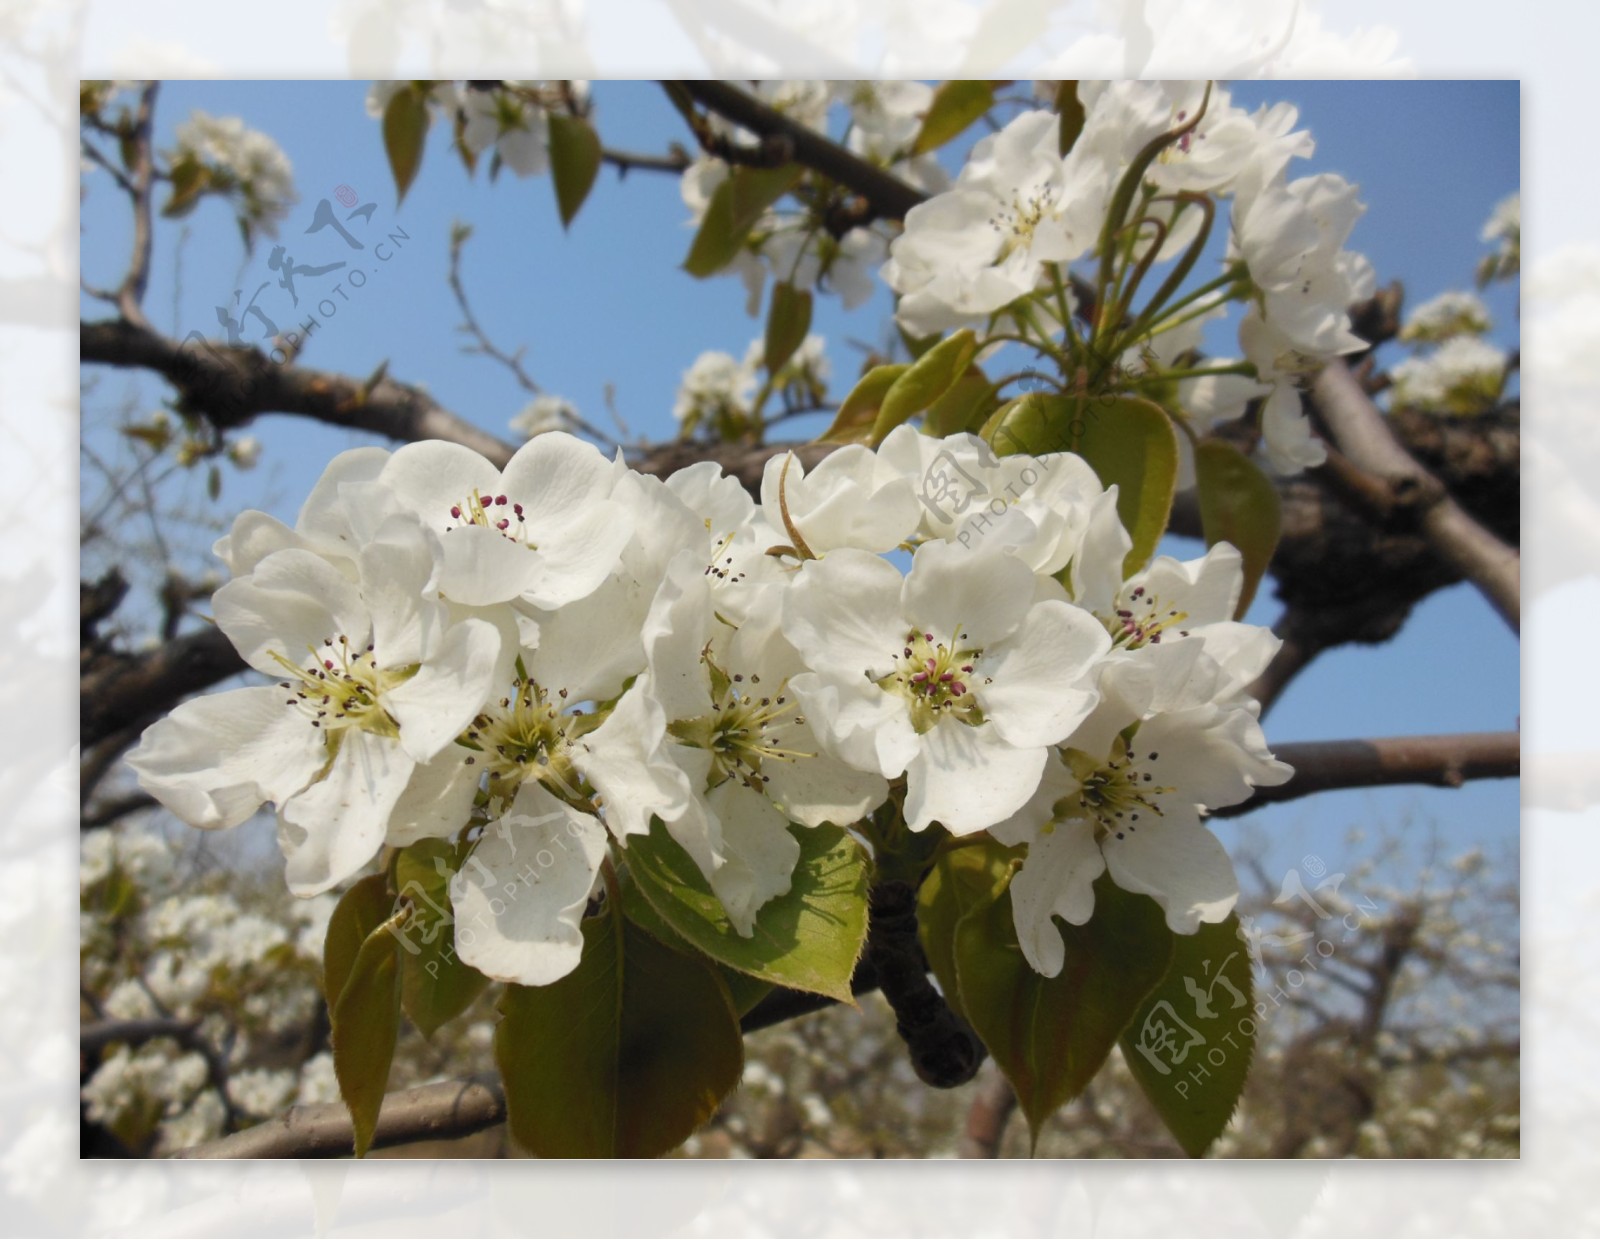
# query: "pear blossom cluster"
[508,120]
[725,395]
[550,659]
[997,245]
[243,163]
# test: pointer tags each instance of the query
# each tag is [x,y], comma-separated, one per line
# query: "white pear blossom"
[545,529]
[544,413]
[1452,313]
[717,390]
[376,680]
[1125,794]
[1464,375]
[1016,206]
[853,498]
[750,761]
[242,162]
[953,675]
[506,118]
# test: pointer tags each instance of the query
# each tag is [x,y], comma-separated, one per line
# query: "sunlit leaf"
[360,911]
[625,1056]
[1191,1043]
[928,378]
[1050,1035]
[736,205]
[808,939]
[859,410]
[956,105]
[366,1024]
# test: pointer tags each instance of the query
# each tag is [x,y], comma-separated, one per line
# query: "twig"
[1359,428]
[883,195]
[130,297]
[1443,761]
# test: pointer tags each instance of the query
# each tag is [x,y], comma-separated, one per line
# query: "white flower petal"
[1175,860]
[437,801]
[952,591]
[213,760]
[758,853]
[843,614]
[520,897]
[1057,880]
[336,825]
[1034,687]
[435,705]
[293,602]
[967,778]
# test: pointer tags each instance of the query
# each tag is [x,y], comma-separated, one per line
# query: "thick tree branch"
[883,195]
[125,692]
[230,385]
[1364,437]
[1443,761]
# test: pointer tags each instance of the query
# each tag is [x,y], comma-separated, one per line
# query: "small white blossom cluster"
[546,659]
[1452,313]
[544,413]
[793,245]
[243,163]
[160,940]
[1464,375]
[1020,212]
[723,394]
[1503,230]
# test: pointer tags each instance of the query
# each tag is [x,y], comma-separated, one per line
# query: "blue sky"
[605,304]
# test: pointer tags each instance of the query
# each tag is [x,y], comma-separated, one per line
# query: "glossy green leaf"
[405,128]
[808,939]
[360,911]
[788,321]
[960,881]
[927,379]
[956,105]
[745,991]
[965,407]
[859,410]
[736,205]
[1191,1043]
[574,162]
[1239,505]
[435,986]
[1128,440]
[366,1025]
[625,1056]
[1070,109]
[1050,1035]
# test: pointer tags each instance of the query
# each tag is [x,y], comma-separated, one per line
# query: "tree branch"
[883,195]
[1364,437]
[130,296]
[426,1112]
[231,384]
[1442,761]
[125,692]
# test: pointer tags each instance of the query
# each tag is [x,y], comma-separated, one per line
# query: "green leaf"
[190,179]
[1191,1043]
[574,162]
[735,207]
[960,881]
[1128,440]
[853,422]
[1239,505]
[965,407]
[956,104]
[1070,109]
[625,1056]
[808,939]
[1050,1035]
[366,1025]
[213,482]
[360,911]
[788,321]
[405,126]
[435,985]
[916,346]
[928,378]
[745,991]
